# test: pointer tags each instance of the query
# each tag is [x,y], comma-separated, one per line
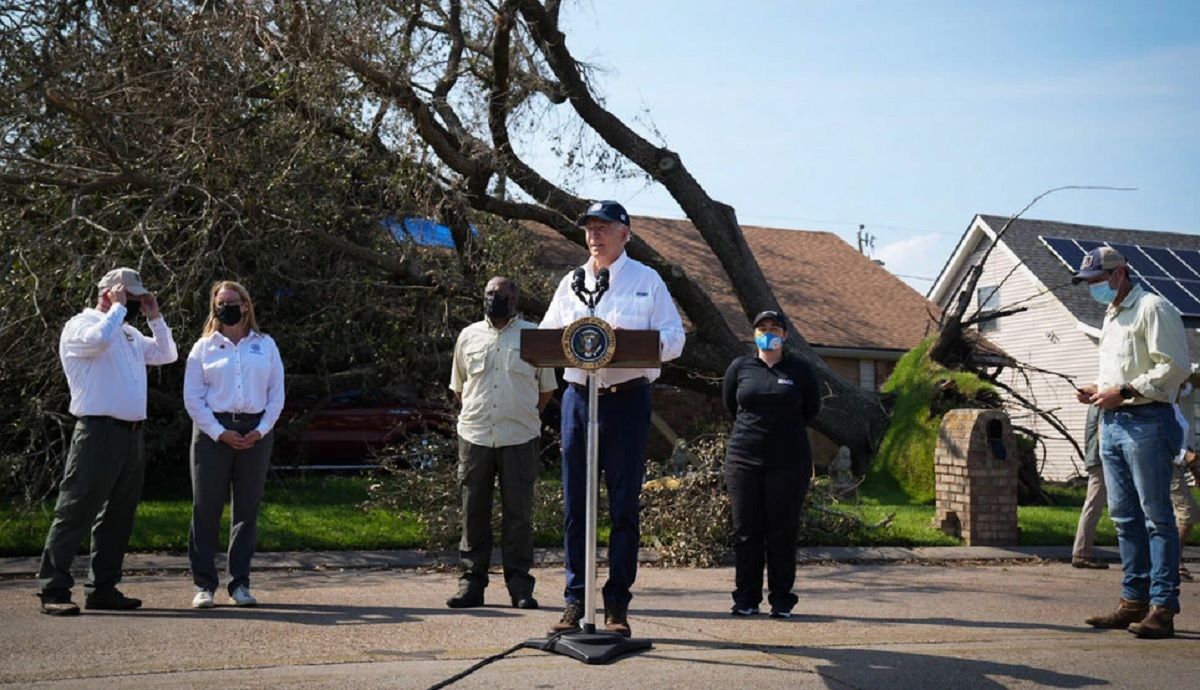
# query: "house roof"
[1022,240]
[834,295]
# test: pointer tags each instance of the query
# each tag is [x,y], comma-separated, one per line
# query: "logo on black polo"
[589,343]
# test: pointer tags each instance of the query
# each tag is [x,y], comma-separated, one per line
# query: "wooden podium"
[634,349]
[592,345]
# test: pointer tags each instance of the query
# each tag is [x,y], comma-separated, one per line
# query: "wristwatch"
[1128,392]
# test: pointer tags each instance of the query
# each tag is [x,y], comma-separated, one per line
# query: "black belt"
[1144,406]
[132,426]
[236,417]
[616,387]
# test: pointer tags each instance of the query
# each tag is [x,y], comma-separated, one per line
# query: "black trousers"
[766,516]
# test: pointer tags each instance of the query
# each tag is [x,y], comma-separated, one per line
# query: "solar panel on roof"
[1067,251]
[1183,300]
[1174,267]
[1172,273]
[1191,257]
[1139,260]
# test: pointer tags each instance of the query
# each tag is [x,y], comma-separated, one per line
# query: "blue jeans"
[624,420]
[1137,448]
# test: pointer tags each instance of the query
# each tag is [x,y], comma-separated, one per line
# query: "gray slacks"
[478,467]
[100,490]
[218,470]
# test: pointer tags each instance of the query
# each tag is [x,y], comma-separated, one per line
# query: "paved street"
[859,626]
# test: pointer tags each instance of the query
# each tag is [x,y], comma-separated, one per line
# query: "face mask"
[229,314]
[1102,293]
[133,307]
[768,341]
[497,306]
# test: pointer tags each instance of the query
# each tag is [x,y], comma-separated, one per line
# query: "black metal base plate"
[590,648]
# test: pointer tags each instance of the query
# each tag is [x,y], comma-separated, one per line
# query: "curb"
[26,566]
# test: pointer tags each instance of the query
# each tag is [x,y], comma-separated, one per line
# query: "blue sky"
[909,117]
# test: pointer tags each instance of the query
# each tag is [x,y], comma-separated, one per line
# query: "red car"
[345,430]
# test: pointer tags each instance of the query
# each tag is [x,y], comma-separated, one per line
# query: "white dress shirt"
[242,378]
[105,361]
[637,299]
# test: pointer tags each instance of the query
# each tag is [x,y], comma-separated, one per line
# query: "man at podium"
[636,298]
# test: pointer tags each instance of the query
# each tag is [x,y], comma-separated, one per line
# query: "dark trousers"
[216,470]
[624,420]
[766,515]
[478,467]
[100,490]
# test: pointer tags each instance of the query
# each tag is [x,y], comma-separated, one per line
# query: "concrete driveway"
[858,626]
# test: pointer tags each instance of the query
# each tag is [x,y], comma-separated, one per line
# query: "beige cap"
[123,276]
[1097,262]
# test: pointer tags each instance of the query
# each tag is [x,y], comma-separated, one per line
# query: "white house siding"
[1046,337]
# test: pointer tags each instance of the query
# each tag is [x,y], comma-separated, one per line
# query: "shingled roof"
[1022,239]
[835,296]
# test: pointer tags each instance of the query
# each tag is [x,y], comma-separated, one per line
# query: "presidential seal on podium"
[589,343]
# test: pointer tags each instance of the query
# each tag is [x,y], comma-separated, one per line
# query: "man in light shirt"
[499,430]
[636,299]
[105,361]
[1143,361]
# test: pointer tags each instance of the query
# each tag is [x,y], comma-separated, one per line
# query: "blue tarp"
[422,231]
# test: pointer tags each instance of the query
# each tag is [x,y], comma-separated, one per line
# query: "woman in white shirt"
[233,391]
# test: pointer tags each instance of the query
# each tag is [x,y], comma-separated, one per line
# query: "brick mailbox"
[975,469]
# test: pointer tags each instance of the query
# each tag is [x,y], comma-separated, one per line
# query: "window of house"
[988,299]
[866,374]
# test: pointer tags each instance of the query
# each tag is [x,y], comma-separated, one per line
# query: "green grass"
[324,513]
[310,514]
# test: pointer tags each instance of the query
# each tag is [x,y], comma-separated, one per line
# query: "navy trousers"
[624,420]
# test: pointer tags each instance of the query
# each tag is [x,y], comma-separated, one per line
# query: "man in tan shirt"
[1143,361]
[499,429]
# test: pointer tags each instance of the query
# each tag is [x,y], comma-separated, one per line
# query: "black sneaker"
[781,613]
[572,614]
[466,598]
[110,600]
[744,611]
[58,605]
[528,603]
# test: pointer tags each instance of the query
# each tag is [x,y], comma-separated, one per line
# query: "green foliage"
[904,462]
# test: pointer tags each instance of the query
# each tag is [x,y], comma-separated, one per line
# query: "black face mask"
[497,306]
[133,307]
[229,314]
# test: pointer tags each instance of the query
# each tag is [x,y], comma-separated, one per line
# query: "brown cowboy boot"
[616,620]
[1127,612]
[572,614]
[1158,625]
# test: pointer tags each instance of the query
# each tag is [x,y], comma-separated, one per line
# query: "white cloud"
[917,257]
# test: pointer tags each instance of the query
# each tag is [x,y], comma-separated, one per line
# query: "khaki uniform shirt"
[499,390]
[1143,343]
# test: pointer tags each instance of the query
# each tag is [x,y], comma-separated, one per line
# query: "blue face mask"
[768,341]
[1102,293]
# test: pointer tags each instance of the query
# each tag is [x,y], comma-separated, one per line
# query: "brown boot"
[572,614]
[1192,460]
[616,619]
[1127,612]
[1157,625]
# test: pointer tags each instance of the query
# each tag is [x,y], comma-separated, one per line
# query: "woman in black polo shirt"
[768,463]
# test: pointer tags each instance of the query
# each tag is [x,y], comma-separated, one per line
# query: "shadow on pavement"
[815,618]
[871,668]
[316,614]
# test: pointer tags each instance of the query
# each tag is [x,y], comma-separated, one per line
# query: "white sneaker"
[202,600]
[242,597]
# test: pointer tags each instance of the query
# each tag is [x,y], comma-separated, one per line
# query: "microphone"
[577,280]
[601,282]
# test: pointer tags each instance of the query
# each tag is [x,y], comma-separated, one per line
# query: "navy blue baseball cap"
[604,210]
